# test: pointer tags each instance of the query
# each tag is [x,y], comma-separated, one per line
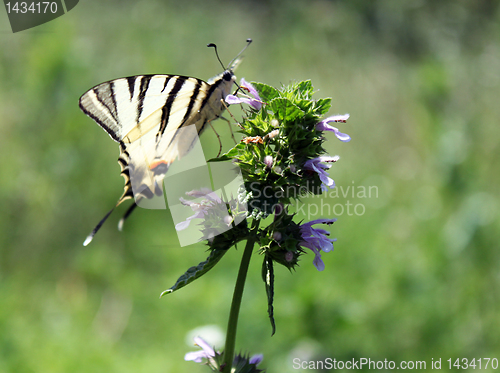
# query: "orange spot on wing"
[156,164]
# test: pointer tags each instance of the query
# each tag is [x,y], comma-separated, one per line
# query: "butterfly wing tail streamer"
[128,193]
[90,237]
[126,215]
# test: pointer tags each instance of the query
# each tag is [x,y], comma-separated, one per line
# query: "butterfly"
[146,115]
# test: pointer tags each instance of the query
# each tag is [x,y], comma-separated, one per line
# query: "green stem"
[236,303]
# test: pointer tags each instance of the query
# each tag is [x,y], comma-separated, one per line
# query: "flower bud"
[272,134]
[228,219]
[268,161]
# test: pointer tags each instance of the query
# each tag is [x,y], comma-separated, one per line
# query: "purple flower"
[317,166]
[207,352]
[317,240]
[240,363]
[323,126]
[256,359]
[200,208]
[255,102]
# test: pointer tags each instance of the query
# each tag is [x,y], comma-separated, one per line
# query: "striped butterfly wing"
[144,114]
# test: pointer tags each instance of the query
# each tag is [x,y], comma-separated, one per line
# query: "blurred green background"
[415,277]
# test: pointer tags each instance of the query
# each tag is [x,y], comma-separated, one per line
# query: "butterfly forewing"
[121,105]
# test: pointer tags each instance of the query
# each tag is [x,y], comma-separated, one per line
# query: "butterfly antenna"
[249,41]
[212,45]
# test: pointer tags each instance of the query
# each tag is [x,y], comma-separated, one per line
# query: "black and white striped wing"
[144,114]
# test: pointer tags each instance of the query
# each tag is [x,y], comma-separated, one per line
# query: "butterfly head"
[228,75]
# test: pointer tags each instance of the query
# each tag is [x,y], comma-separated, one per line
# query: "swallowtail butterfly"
[144,115]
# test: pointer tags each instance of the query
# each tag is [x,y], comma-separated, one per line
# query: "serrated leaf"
[266,92]
[285,110]
[322,106]
[268,277]
[196,272]
[305,88]
[232,153]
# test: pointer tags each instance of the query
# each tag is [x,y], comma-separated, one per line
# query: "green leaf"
[305,88]
[268,277]
[266,92]
[285,110]
[196,272]
[232,153]
[322,106]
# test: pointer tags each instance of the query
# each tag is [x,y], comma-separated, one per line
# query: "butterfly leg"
[230,128]
[232,116]
[218,137]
